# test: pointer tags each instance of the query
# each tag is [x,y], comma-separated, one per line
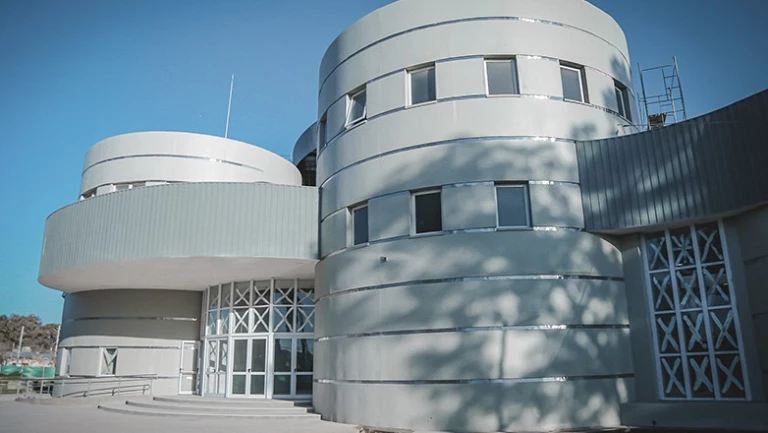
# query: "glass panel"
[502,77]
[282,355]
[716,285]
[682,247]
[305,319]
[694,331]
[511,206]
[730,376]
[428,213]
[240,355]
[260,293]
[304,384]
[700,372]
[242,294]
[620,101]
[213,354]
[226,295]
[657,251]
[212,321]
[672,376]
[240,318]
[661,289]
[710,248]
[723,330]
[224,320]
[260,319]
[423,85]
[571,84]
[258,355]
[282,384]
[257,384]
[283,309]
[688,288]
[223,346]
[238,384]
[305,353]
[360,225]
[321,134]
[356,107]
[213,297]
[666,331]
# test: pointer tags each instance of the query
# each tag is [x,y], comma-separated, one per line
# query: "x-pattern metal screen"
[252,307]
[693,311]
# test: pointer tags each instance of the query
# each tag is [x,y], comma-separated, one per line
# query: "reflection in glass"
[257,384]
[240,355]
[258,356]
[304,354]
[238,384]
[282,385]
[304,384]
[282,355]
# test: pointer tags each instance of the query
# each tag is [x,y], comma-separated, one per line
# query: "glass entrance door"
[292,358]
[249,367]
[216,367]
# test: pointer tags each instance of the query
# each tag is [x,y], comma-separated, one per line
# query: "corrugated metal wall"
[184,220]
[708,165]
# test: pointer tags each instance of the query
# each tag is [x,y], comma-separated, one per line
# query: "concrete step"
[232,402]
[139,407]
[218,408]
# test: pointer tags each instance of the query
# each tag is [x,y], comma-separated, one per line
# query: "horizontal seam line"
[462,20]
[322,149]
[446,142]
[472,329]
[534,277]
[493,183]
[171,155]
[480,381]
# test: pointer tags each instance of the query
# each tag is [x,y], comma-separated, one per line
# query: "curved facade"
[152,158]
[523,311]
[473,236]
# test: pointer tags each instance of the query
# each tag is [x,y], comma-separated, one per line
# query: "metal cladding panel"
[184,220]
[709,165]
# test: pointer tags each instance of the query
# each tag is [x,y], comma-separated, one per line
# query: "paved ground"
[18,417]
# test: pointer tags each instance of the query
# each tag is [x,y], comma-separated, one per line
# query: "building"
[484,240]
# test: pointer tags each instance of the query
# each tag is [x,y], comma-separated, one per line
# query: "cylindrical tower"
[457,289]
[171,225]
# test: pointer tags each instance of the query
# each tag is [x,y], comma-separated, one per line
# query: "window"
[622,100]
[512,206]
[574,85]
[427,212]
[501,75]
[360,225]
[108,361]
[322,139]
[356,109]
[422,85]
[692,312]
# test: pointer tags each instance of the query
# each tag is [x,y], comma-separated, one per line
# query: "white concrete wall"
[147,327]
[181,157]
[467,330]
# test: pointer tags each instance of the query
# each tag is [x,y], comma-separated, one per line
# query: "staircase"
[187,406]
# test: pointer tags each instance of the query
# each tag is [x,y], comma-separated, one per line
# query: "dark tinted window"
[571,83]
[502,77]
[423,85]
[513,211]
[428,213]
[360,225]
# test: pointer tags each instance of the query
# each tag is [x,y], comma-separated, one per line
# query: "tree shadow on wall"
[507,377]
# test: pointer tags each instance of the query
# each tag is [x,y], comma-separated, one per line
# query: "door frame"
[185,373]
[249,352]
[293,373]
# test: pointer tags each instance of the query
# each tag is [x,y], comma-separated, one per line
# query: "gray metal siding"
[709,165]
[184,220]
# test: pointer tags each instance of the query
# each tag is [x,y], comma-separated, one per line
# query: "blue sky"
[76,72]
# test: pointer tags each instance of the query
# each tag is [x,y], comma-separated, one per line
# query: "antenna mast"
[229,106]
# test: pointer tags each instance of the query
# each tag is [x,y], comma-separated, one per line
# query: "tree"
[37,336]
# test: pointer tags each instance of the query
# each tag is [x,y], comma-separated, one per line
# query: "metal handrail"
[95,385]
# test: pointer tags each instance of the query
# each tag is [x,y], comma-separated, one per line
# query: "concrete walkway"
[83,417]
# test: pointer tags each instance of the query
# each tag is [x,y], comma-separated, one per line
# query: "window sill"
[427,234]
[355,124]
[421,104]
[513,228]
[502,95]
